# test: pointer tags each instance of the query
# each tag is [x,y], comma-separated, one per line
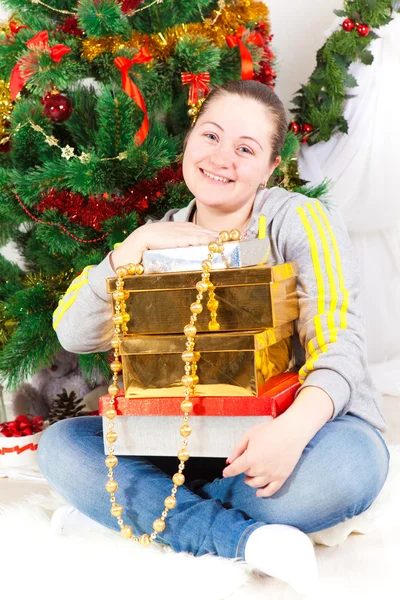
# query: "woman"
[319,463]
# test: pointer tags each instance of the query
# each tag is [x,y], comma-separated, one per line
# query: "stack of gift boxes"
[244,368]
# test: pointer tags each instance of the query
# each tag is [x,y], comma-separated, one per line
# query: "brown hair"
[259,92]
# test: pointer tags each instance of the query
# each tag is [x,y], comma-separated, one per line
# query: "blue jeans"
[338,476]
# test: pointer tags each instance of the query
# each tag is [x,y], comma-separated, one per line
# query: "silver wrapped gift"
[246,253]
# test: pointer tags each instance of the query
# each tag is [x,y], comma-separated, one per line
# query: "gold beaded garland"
[189,380]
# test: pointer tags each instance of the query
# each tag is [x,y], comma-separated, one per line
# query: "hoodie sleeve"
[83,318]
[329,324]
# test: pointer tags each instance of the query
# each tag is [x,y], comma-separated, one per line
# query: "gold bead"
[183,455]
[190,330]
[126,295]
[126,318]
[121,271]
[139,269]
[116,366]
[116,510]
[111,461]
[235,235]
[202,286]
[118,319]
[127,531]
[188,356]
[186,406]
[145,540]
[206,265]
[213,326]
[192,112]
[196,356]
[212,305]
[213,247]
[224,237]
[158,525]
[111,437]
[178,479]
[131,268]
[170,502]
[118,296]
[111,486]
[196,308]
[115,343]
[187,380]
[113,389]
[185,430]
[111,413]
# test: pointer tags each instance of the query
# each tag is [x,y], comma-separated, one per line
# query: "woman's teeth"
[208,174]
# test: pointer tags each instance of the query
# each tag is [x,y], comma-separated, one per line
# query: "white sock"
[283,552]
[67,519]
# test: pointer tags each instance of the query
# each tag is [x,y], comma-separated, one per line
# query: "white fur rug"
[104,565]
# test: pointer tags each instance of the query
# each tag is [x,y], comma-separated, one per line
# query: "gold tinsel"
[5,110]
[162,45]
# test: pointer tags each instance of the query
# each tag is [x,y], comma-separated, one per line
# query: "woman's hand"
[154,236]
[267,454]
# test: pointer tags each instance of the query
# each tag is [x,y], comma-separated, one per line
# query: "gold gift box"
[231,364]
[250,298]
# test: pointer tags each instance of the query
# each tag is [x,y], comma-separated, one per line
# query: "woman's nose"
[221,158]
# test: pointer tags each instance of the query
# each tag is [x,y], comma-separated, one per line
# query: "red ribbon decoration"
[18,449]
[198,81]
[27,66]
[245,54]
[124,64]
[22,426]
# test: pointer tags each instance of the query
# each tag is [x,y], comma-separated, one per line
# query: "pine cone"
[65,406]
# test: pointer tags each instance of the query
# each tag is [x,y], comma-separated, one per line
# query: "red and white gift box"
[150,426]
[16,448]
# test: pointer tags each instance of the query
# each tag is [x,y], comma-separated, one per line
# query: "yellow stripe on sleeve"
[338,260]
[67,301]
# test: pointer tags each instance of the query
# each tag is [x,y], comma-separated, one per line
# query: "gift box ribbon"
[21,426]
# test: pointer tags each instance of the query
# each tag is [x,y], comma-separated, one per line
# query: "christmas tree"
[95,98]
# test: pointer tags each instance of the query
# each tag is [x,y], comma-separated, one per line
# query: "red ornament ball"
[363,29]
[6,147]
[295,127]
[307,128]
[57,107]
[348,24]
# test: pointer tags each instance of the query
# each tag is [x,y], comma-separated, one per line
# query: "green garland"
[318,112]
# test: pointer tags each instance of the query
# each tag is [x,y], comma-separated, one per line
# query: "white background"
[298,28]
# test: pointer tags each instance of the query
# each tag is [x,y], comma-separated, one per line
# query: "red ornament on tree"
[348,24]
[295,127]
[363,29]
[57,107]
[307,128]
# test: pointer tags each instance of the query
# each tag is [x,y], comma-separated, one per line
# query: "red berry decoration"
[363,29]
[57,107]
[348,24]
[307,128]
[294,127]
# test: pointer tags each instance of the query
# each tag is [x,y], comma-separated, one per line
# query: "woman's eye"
[211,136]
[245,150]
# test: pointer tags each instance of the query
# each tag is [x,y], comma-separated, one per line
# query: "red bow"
[245,55]
[198,81]
[124,64]
[27,66]
[14,27]
[22,426]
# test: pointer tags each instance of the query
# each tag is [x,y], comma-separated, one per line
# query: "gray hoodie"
[329,339]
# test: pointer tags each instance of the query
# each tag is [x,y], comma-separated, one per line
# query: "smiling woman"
[232,150]
[319,463]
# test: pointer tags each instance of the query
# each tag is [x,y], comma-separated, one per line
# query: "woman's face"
[228,153]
